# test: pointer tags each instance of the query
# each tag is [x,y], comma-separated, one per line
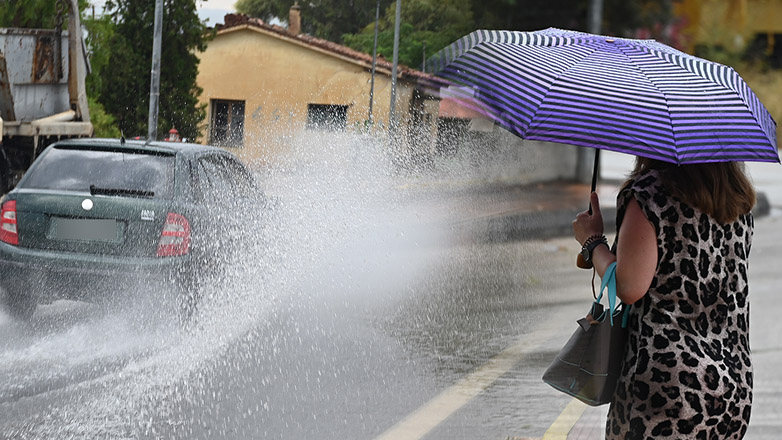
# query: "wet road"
[361,314]
[352,365]
[343,340]
[384,329]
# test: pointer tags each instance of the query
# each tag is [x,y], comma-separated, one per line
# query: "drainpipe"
[392,111]
[374,65]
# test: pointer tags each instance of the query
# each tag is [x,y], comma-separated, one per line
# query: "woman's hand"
[586,225]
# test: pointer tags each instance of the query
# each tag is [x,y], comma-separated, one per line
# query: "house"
[733,25]
[262,82]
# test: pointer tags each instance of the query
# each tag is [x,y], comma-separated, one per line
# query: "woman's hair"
[720,189]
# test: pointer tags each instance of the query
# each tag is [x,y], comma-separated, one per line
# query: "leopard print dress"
[687,372]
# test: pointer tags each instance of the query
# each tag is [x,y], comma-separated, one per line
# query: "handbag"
[589,365]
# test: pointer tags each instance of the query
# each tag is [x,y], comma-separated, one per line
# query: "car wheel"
[19,305]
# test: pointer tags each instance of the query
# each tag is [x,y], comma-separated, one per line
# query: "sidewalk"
[503,213]
[532,212]
[766,327]
[499,212]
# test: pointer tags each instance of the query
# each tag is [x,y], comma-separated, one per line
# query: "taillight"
[8,232]
[175,238]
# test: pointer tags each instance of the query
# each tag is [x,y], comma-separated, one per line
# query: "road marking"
[566,420]
[424,419]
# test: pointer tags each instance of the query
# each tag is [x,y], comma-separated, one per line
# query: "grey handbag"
[589,364]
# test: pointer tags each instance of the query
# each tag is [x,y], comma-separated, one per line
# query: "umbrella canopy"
[632,96]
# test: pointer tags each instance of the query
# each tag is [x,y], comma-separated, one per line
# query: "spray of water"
[342,221]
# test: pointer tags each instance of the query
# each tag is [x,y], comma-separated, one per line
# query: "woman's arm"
[636,254]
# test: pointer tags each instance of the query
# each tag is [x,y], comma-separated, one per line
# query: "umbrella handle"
[595,172]
[580,262]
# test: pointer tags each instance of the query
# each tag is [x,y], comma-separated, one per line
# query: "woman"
[683,239]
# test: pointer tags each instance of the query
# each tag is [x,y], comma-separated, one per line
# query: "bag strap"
[609,280]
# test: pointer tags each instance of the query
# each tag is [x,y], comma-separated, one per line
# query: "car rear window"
[120,172]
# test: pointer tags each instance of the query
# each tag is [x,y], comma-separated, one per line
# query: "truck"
[42,91]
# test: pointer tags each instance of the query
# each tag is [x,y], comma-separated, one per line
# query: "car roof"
[158,146]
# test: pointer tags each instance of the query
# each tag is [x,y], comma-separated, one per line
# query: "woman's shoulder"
[647,189]
[644,186]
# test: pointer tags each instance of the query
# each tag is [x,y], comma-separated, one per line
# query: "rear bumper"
[60,275]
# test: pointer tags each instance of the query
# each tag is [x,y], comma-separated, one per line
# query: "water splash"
[336,226]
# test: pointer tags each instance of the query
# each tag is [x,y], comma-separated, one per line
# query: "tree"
[123,88]
[434,24]
[100,31]
[38,14]
[327,19]
[620,17]
[427,25]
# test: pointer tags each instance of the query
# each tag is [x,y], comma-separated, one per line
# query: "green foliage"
[100,32]
[529,15]
[28,14]
[620,17]
[719,54]
[125,72]
[427,25]
[104,124]
[35,14]
[649,18]
[327,19]
[436,23]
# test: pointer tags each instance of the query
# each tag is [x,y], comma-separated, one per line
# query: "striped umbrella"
[632,96]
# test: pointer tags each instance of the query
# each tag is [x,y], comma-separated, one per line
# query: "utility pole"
[595,16]
[392,111]
[423,61]
[588,159]
[154,86]
[374,66]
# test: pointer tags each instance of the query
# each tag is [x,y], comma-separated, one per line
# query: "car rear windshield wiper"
[120,192]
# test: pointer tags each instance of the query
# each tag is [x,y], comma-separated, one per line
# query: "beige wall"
[730,23]
[278,77]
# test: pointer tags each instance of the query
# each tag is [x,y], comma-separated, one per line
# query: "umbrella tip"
[609,40]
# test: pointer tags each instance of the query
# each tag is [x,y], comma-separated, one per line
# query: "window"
[220,178]
[75,169]
[227,123]
[327,117]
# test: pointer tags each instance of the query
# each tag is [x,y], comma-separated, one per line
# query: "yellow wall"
[278,77]
[730,23]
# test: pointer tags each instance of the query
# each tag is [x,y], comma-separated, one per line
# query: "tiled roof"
[239,20]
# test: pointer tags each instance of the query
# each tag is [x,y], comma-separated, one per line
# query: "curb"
[522,226]
[533,225]
[762,205]
[540,225]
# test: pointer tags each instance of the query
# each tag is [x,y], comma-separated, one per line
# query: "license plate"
[83,229]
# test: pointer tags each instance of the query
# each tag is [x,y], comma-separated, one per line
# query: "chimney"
[294,19]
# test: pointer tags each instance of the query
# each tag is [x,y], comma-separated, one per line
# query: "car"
[97,219]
